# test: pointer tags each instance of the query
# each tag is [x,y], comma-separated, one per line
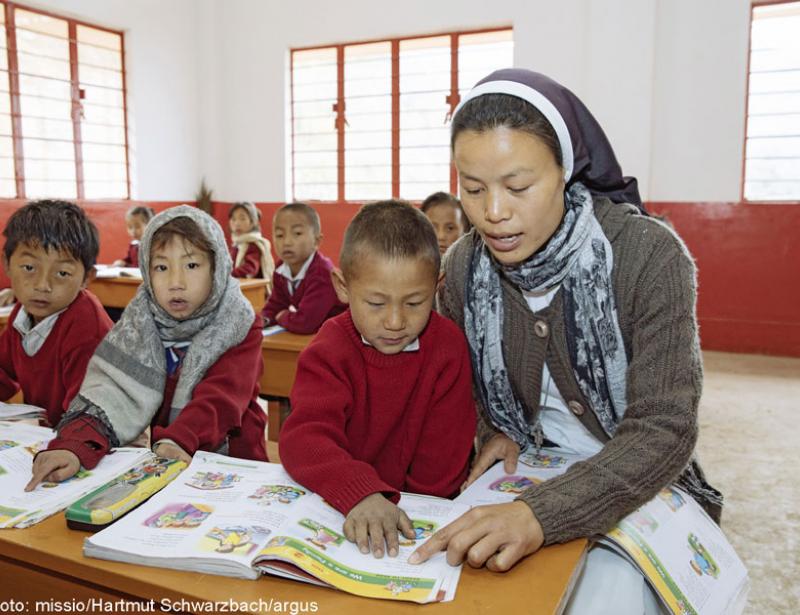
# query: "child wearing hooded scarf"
[184,359]
[251,253]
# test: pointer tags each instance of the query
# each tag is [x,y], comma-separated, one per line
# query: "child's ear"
[440,281]
[318,240]
[340,285]
[90,276]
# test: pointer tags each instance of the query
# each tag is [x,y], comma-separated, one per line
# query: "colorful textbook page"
[683,554]
[19,443]
[238,518]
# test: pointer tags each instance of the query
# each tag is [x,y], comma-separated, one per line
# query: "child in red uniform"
[49,254]
[302,293]
[382,401]
[251,253]
[136,221]
[185,359]
[448,219]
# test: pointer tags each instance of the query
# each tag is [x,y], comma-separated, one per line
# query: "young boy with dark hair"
[136,220]
[382,401]
[302,293]
[448,218]
[49,254]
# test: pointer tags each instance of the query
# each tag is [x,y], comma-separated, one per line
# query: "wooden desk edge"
[555,566]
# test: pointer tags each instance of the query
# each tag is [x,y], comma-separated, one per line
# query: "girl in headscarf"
[250,251]
[579,310]
[184,359]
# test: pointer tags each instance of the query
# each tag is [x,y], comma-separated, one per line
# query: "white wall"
[699,95]
[162,81]
[207,80]
[666,78]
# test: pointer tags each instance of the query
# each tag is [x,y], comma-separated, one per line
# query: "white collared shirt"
[294,281]
[412,347]
[34,336]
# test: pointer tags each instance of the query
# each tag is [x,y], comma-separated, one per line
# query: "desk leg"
[278,409]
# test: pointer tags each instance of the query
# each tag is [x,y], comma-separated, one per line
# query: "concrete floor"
[750,448]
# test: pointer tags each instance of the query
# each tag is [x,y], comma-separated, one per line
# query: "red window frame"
[753,5]
[453,98]
[14,92]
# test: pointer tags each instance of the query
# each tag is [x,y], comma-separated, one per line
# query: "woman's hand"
[497,536]
[499,446]
[53,466]
[168,450]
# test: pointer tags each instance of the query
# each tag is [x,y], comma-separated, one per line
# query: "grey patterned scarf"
[578,256]
[125,379]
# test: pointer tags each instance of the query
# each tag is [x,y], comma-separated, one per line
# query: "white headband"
[527,93]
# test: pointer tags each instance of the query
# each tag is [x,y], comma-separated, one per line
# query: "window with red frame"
[370,120]
[772,150]
[62,107]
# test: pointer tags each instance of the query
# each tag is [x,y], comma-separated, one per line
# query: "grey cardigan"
[655,291]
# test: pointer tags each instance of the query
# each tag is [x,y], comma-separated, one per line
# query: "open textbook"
[109,271]
[240,518]
[682,553]
[19,443]
[12,412]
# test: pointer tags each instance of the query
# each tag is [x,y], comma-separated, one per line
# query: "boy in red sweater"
[382,401]
[49,254]
[184,359]
[302,293]
[135,221]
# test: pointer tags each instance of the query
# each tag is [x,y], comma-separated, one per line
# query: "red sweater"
[224,404]
[52,377]
[251,265]
[314,300]
[363,422]
[132,257]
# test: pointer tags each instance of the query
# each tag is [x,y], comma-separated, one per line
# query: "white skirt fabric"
[610,585]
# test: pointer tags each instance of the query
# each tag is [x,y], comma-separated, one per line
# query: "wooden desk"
[118,292]
[45,562]
[280,352]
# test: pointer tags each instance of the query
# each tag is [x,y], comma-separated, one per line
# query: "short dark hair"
[445,198]
[144,212]
[391,229]
[54,224]
[302,208]
[187,229]
[488,111]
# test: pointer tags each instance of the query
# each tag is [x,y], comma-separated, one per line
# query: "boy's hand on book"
[53,466]
[497,536]
[499,446]
[375,520]
[168,450]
